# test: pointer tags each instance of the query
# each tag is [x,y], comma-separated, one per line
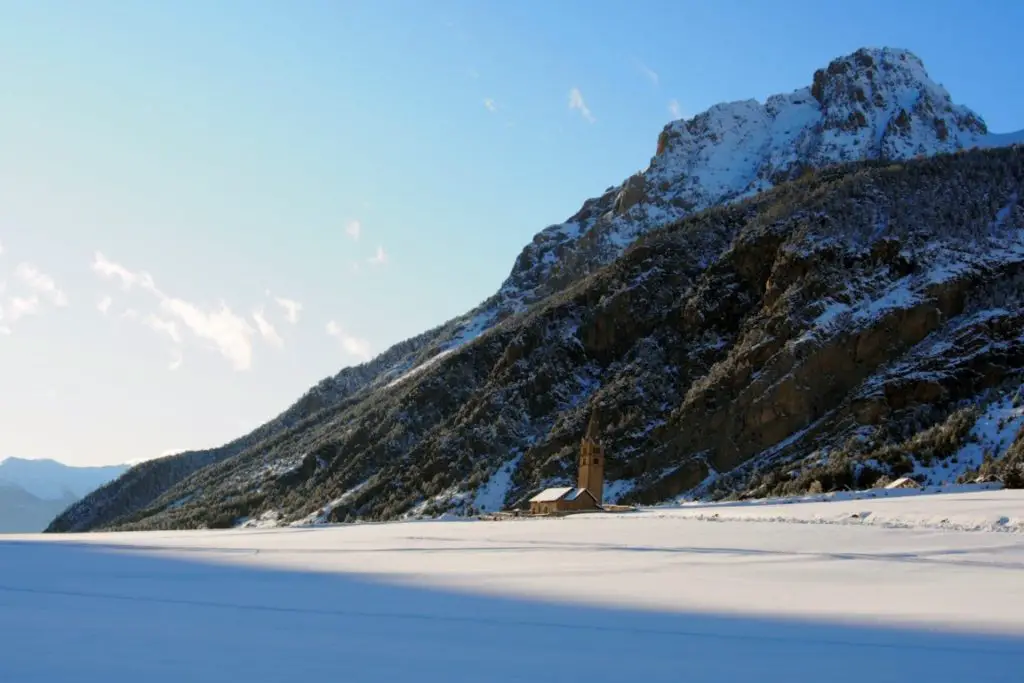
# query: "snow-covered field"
[658,595]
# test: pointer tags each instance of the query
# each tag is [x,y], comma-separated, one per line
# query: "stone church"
[589,490]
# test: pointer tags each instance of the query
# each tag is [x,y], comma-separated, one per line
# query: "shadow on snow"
[102,613]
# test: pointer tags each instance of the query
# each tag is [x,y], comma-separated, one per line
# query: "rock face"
[736,339]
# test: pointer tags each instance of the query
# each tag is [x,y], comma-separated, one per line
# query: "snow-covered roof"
[576,493]
[903,482]
[552,494]
[560,493]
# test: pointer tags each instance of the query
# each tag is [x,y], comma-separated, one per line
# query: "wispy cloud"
[159,325]
[267,330]
[354,229]
[19,307]
[230,334]
[291,308]
[490,105]
[473,73]
[649,73]
[225,331]
[577,102]
[353,346]
[129,279]
[379,258]
[40,283]
[176,360]
[40,287]
[104,305]
[675,109]
[1,248]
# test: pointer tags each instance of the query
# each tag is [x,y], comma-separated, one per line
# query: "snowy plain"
[766,592]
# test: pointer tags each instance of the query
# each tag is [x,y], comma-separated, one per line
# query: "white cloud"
[354,346]
[41,283]
[648,72]
[104,305]
[354,229]
[131,314]
[490,105]
[4,330]
[109,269]
[267,330]
[577,102]
[229,333]
[1,247]
[291,309]
[379,258]
[176,360]
[675,109]
[19,307]
[159,325]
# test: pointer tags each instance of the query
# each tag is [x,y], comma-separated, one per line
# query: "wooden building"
[589,490]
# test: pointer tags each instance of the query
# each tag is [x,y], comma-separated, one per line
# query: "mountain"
[49,479]
[22,512]
[32,492]
[739,304]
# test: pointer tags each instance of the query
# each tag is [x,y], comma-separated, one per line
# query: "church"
[589,489]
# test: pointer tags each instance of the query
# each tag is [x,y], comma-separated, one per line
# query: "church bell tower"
[591,474]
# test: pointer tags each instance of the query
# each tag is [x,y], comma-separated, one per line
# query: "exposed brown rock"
[633,192]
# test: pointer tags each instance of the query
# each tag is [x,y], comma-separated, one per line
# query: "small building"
[563,499]
[589,489]
[903,483]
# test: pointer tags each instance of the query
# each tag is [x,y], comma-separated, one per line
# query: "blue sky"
[195,169]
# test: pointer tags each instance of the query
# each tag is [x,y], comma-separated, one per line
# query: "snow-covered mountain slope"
[872,104]
[52,480]
[876,104]
[653,596]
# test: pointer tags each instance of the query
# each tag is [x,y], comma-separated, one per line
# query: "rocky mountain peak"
[887,94]
[876,103]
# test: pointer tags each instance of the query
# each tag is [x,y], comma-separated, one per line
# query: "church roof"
[576,493]
[560,493]
[550,495]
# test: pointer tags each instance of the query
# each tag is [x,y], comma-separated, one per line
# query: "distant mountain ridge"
[32,492]
[21,512]
[875,106]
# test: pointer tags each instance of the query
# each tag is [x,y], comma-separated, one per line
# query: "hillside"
[23,512]
[830,319]
[803,328]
